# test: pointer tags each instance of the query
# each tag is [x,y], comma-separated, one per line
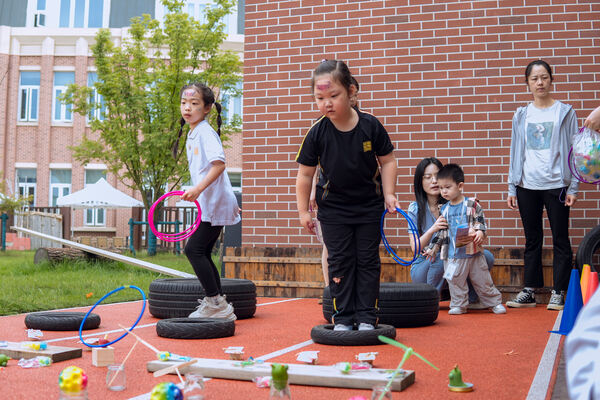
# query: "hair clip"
[323,60]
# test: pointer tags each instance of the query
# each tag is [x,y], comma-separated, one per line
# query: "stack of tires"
[177,298]
[401,305]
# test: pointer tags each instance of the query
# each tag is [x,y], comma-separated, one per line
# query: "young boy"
[461,245]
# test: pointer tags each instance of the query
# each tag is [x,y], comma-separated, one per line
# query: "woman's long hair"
[420,195]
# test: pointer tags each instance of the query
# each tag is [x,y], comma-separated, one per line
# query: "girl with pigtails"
[212,189]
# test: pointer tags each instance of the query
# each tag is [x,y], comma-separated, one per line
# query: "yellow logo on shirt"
[367,146]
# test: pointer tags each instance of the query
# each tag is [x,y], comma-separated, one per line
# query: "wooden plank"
[109,254]
[290,284]
[16,351]
[298,374]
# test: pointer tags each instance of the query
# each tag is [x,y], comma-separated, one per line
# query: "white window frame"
[57,103]
[23,188]
[59,186]
[93,212]
[231,28]
[28,89]
[96,98]
[28,101]
[86,13]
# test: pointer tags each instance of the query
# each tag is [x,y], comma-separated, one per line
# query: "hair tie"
[323,60]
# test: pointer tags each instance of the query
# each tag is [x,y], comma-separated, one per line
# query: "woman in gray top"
[538,177]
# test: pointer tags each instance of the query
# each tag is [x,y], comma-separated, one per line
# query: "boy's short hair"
[452,171]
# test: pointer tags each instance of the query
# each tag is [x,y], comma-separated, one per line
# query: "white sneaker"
[499,309]
[365,327]
[200,310]
[342,327]
[457,311]
[214,307]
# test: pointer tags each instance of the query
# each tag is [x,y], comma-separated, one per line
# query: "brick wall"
[444,77]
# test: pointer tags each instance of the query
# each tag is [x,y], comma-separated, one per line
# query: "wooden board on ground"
[108,254]
[15,350]
[298,374]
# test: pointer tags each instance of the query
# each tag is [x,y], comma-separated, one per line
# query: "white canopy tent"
[98,195]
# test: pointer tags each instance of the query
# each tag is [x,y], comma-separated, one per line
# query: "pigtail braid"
[175,147]
[219,119]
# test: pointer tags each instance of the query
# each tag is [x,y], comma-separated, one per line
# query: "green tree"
[11,203]
[139,81]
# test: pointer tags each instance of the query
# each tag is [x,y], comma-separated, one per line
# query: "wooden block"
[103,356]
[298,374]
[16,351]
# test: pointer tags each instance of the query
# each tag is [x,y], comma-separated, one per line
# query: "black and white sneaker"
[557,301]
[524,299]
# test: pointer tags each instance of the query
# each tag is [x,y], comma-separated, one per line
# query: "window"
[96,99]
[26,182]
[197,10]
[94,216]
[39,19]
[61,112]
[81,13]
[232,105]
[60,184]
[29,89]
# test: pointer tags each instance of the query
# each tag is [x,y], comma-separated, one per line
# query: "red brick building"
[444,77]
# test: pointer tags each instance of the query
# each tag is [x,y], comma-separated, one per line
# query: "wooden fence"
[44,222]
[297,272]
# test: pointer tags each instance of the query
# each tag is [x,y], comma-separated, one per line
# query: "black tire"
[400,304]
[324,334]
[61,321]
[589,245]
[177,298]
[195,328]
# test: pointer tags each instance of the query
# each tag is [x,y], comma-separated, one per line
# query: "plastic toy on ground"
[408,351]
[456,383]
[166,391]
[72,380]
[279,382]
[573,304]
[126,331]
[4,360]
[35,362]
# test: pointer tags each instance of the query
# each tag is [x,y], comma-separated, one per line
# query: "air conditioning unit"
[39,19]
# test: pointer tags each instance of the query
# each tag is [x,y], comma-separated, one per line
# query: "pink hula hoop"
[173,237]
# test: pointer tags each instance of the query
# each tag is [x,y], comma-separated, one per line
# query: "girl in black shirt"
[357,179]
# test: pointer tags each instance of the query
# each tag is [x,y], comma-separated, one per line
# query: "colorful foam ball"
[72,380]
[166,391]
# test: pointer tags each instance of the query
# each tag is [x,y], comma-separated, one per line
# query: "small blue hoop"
[100,301]
[415,236]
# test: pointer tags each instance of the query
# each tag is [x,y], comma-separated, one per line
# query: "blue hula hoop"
[100,301]
[415,236]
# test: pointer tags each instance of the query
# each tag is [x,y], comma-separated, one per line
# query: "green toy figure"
[456,383]
[3,360]
[279,382]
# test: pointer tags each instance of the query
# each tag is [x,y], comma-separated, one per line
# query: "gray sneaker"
[557,301]
[524,299]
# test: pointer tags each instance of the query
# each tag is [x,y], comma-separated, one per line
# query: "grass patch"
[28,287]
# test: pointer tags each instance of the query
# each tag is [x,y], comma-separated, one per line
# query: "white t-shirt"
[217,202]
[541,168]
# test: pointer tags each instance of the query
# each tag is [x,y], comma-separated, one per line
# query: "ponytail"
[175,147]
[219,119]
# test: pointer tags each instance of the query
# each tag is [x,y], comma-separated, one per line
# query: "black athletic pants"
[198,250]
[531,207]
[354,258]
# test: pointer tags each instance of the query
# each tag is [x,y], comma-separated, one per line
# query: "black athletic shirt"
[349,188]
